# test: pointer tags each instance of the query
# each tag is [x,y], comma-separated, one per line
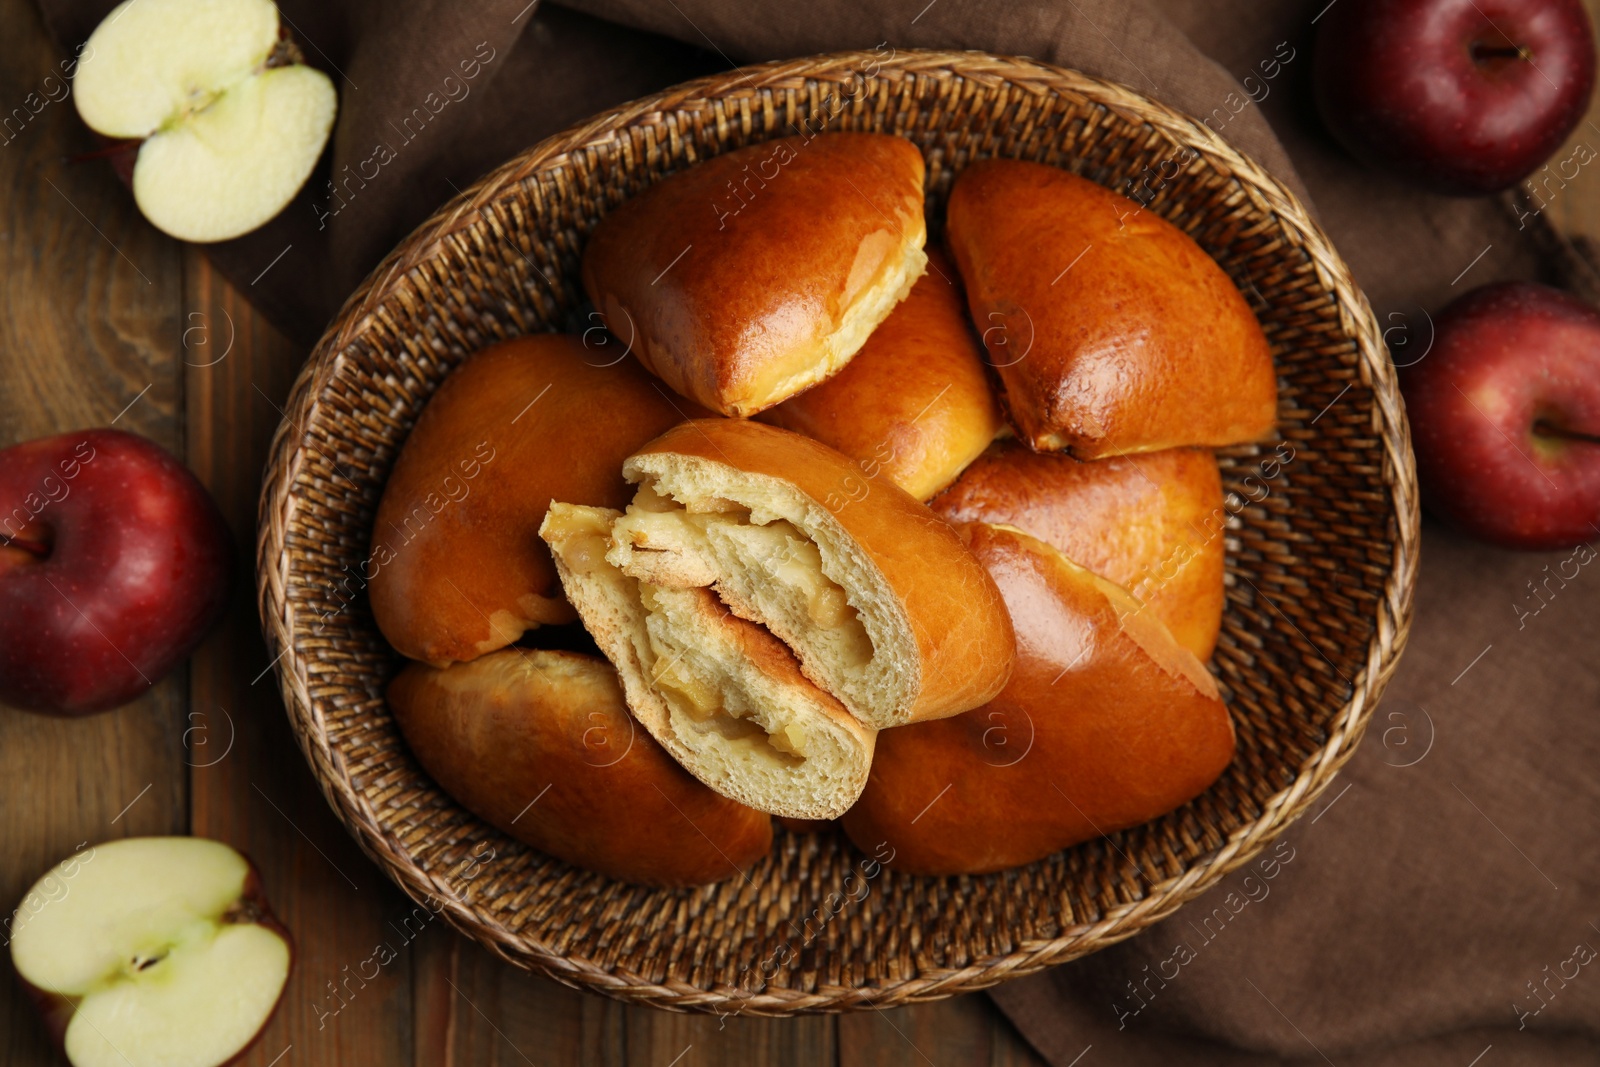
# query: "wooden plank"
[966,1030]
[1009,1048]
[473,1009]
[658,1037]
[952,1033]
[250,786]
[88,326]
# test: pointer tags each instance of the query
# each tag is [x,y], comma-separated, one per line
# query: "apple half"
[228,135]
[152,950]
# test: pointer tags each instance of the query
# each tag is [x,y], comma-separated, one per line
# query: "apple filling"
[765,570]
[679,664]
[697,691]
[721,693]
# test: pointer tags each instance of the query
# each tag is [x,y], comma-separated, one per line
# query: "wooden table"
[107,321]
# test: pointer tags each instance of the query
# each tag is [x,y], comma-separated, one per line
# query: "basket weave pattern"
[1320,566]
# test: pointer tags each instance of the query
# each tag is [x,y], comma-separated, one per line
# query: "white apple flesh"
[153,951]
[152,60]
[258,141]
[227,139]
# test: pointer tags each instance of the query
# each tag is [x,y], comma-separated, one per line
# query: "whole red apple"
[1462,97]
[114,563]
[1505,416]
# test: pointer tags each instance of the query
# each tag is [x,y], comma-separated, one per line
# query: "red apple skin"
[259,912]
[118,563]
[1505,416]
[1413,86]
[56,1011]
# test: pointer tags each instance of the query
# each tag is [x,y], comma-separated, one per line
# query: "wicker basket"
[1322,550]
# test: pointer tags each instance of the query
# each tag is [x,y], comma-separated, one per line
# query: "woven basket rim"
[278,506]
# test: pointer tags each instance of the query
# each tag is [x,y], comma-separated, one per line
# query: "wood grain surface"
[108,322]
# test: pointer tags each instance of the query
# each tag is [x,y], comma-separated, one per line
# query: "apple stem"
[1546,429]
[1481,52]
[115,148]
[246,912]
[36,548]
[285,53]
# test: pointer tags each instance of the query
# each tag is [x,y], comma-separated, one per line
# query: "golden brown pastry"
[541,745]
[866,609]
[914,406]
[456,566]
[1107,723]
[1111,330]
[1153,523]
[755,274]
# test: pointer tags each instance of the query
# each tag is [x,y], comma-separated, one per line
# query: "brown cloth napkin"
[1440,905]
